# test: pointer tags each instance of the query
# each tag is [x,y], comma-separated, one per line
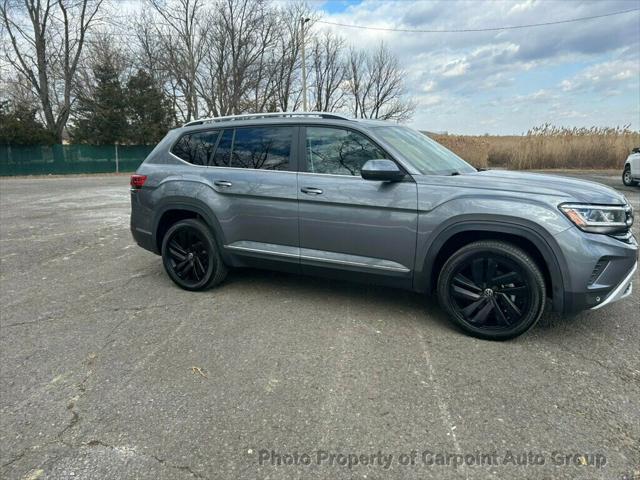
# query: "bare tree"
[46,50]
[329,72]
[287,64]
[237,72]
[355,84]
[17,90]
[148,54]
[146,51]
[176,44]
[376,85]
[227,57]
[100,49]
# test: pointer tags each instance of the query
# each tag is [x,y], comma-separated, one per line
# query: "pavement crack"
[183,468]
[97,443]
[163,461]
[140,308]
[31,322]
[75,419]
[620,373]
[15,459]
[82,389]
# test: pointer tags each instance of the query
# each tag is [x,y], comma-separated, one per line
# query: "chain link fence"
[66,159]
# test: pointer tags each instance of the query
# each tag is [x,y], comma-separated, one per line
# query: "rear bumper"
[140,224]
[144,239]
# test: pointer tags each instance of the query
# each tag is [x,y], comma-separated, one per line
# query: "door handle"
[311,191]
[222,183]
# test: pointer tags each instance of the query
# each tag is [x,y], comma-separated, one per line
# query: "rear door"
[348,223]
[253,172]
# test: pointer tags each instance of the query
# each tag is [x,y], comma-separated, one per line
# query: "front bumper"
[599,269]
[623,290]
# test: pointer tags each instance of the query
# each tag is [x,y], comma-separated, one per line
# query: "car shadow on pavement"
[425,309]
[555,325]
[369,296]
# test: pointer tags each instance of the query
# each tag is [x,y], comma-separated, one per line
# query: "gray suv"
[321,194]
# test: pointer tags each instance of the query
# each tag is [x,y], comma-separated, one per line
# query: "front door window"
[339,151]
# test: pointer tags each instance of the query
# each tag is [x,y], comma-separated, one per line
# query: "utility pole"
[117,160]
[304,64]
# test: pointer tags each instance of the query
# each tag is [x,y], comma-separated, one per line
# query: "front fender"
[505,224]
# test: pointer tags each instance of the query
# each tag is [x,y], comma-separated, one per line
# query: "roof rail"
[248,116]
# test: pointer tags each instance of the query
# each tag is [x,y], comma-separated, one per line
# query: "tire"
[492,290]
[627,179]
[191,257]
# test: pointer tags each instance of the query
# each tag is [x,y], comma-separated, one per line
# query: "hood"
[574,190]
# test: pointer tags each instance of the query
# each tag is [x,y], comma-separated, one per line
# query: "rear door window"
[197,147]
[222,157]
[264,148]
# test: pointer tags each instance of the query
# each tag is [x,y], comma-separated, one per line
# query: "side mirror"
[382,170]
[635,150]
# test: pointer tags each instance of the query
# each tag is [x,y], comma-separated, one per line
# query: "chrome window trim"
[332,175]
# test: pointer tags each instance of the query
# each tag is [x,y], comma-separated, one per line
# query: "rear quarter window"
[196,148]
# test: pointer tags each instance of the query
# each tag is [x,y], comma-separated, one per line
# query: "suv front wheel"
[627,179]
[190,256]
[492,290]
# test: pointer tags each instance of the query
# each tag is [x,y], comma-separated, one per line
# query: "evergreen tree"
[19,126]
[100,116]
[149,111]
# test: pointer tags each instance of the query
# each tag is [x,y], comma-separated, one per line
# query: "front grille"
[626,237]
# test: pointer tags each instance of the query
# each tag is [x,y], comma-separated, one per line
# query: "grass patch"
[547,147]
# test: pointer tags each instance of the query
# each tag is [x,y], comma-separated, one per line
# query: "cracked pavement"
[98,349]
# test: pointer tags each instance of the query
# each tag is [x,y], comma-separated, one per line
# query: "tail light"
[137,181]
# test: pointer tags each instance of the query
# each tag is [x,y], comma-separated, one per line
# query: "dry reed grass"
[547,146]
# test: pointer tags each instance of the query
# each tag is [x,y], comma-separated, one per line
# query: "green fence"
[64,159]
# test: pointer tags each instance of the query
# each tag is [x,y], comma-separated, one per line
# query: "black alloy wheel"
[190,256]
[492,289]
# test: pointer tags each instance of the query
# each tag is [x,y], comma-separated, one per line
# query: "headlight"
[599,218]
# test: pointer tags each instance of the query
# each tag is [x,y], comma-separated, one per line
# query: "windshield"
[427,155]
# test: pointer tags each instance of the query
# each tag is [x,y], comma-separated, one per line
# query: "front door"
[346,222]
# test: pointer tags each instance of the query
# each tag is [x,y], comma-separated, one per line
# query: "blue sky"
[578,74]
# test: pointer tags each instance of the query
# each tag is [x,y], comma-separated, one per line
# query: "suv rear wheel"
[492,290]
[191,257]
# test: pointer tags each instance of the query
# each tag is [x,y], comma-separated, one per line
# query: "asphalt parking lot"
[107,370]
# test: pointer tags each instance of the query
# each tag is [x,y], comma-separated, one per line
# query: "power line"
[492,29]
